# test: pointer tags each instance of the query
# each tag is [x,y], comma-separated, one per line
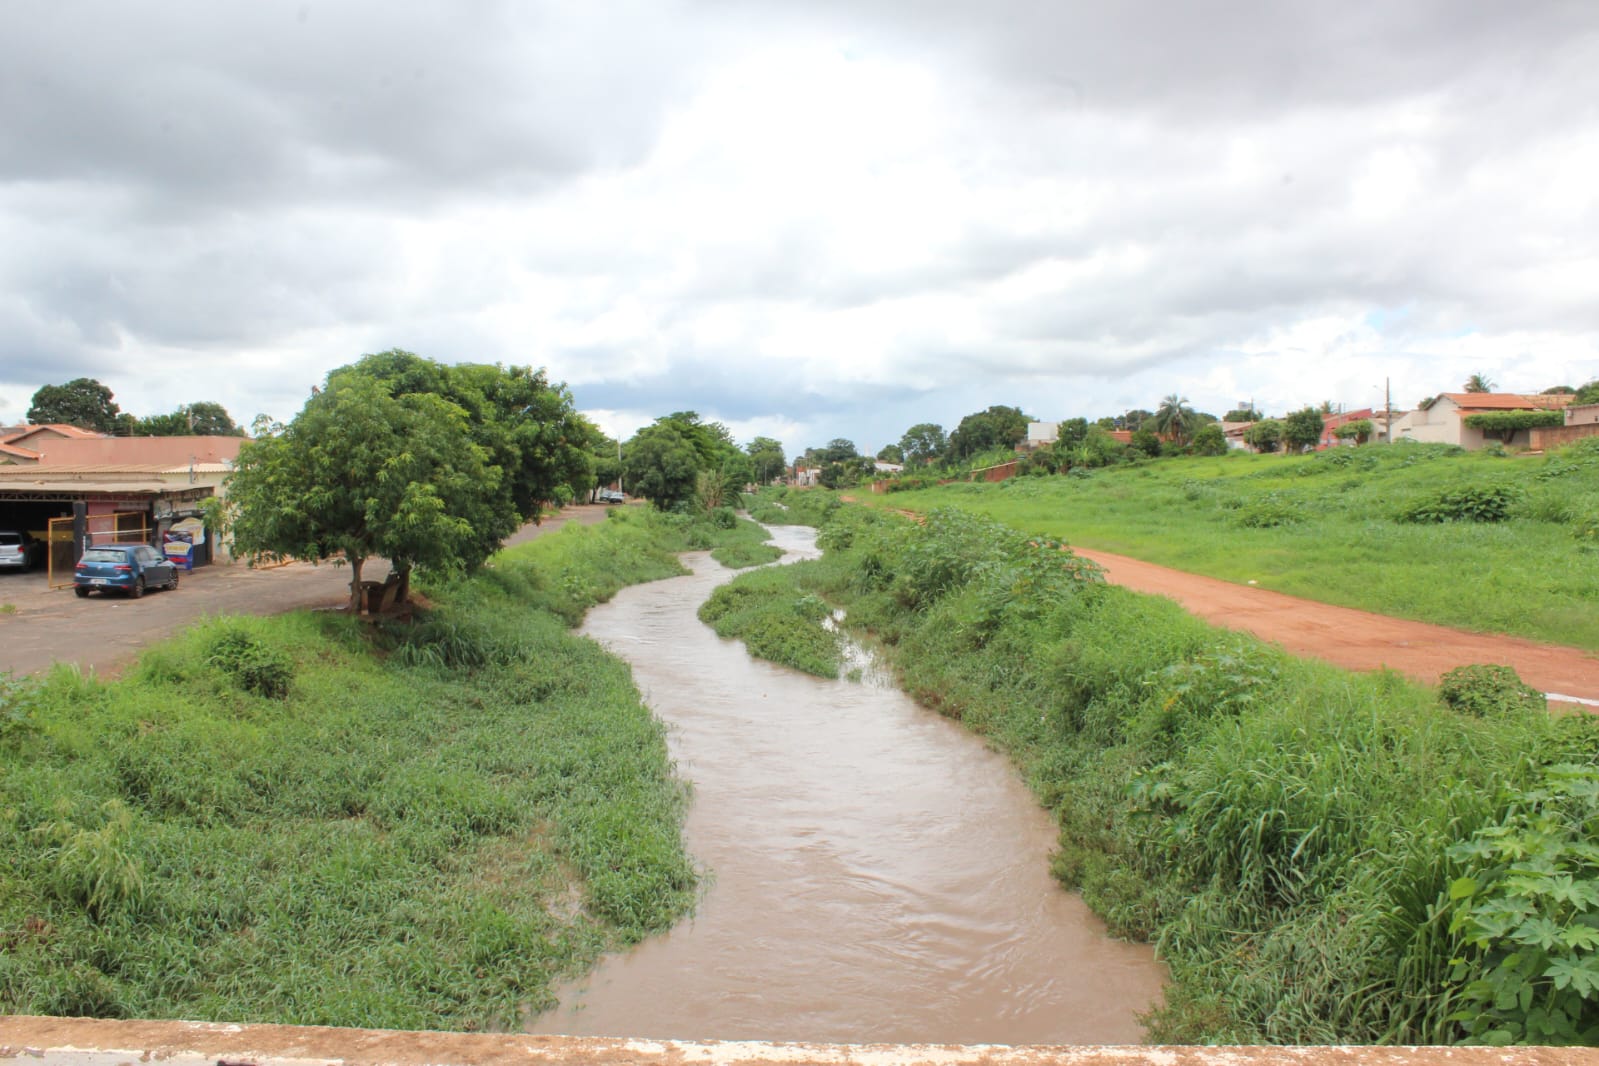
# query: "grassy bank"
[1332,527]
[1321,857]
[306,819]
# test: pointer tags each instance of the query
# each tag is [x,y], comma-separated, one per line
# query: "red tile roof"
[139,451]
[1506,401]
[50,430]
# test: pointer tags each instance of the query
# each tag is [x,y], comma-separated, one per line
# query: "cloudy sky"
[804,218]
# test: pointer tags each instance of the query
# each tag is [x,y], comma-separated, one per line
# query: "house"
[1331,423]
[1441,420]
[138,488]
[1039,435]
[1582,420]
[887,468]
[22,444]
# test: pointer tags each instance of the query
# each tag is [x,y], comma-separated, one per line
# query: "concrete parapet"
[29,1041]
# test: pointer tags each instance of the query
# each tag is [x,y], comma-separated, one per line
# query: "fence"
[118,526]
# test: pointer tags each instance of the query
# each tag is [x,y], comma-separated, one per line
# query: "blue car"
[129,568]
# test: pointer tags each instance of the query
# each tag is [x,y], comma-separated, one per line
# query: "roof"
[1506,401]
[18,453]
[49,430]
[164,453]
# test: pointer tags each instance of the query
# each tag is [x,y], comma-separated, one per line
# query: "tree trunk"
[356,562]
[403,593]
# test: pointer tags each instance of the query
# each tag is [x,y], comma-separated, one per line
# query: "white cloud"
[808,220]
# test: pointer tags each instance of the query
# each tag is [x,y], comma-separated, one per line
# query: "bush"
[1489,691]
[1475,503]
[253,665]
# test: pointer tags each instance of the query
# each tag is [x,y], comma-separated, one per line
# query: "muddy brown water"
[874,872]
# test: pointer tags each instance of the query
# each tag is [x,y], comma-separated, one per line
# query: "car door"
[156,569]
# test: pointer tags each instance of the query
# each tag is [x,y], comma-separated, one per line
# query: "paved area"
[40,626]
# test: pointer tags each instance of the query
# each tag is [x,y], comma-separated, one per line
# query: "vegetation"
[1335,532]
[1506,424]
[776,622]
[1321,857]
[81,402]
[403,458]
[306,820]
[998,427]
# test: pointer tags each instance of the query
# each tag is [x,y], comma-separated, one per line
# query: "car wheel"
[82,592]
[173,584]
[138,588]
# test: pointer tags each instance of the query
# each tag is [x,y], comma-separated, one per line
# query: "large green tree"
[661,464]
[361,473]
[1302,429]
[203,419]
[767,458]
[997,427]
[924,443]
[528,426]
[81,402]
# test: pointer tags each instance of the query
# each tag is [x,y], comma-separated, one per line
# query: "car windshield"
[10,538]
[105,555]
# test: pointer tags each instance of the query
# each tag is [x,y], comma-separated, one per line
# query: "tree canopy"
[81,402]
[1174,418]
[997,427]
[766,458]
[203,419]
[923,443]
[1479,383]
[403,458]
[661,464]
[1302,429]
[361,473]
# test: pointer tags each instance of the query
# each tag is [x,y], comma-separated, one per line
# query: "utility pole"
[1388,403]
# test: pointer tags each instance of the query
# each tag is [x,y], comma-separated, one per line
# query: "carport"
[118,503]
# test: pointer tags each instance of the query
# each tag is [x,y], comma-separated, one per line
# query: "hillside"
[1352,527]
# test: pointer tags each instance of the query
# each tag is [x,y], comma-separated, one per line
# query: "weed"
[1488,691]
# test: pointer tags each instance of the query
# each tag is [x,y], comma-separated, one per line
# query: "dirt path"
[1355,639]
[99,633]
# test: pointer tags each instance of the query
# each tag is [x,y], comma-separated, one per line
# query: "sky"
[806,219]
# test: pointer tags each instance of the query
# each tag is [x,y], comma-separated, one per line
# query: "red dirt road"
[1357,640]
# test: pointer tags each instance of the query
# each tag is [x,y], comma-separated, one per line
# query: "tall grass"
[1329,527]
[1287,833]
[307,820]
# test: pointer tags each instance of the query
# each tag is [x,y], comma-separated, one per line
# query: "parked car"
[612,496]
[129,568]
[19,551]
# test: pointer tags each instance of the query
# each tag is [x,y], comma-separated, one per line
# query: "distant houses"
[1442,420]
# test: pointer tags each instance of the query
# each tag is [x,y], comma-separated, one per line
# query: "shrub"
[18,703]
[253,665]
[1474,503]
[1489,691]
[1529,915]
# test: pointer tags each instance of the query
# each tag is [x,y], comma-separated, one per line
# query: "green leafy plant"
[1489,691]
[253,665]
[1529,917]
[1474,503]
[18,703]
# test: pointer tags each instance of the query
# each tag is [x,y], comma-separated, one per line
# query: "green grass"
[1327,527]
[743,556]
[776,621]
[433,822]
[1287,833]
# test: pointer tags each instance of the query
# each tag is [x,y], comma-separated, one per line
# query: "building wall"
[1542,440]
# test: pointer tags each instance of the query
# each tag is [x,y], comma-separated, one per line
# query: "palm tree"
[1479,383]
[1174,418]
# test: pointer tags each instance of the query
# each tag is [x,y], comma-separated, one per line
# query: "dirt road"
[1355,639]
[47,626]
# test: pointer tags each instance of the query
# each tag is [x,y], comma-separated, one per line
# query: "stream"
[873,872]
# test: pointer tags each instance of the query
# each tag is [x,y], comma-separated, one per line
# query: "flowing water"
[875,873]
